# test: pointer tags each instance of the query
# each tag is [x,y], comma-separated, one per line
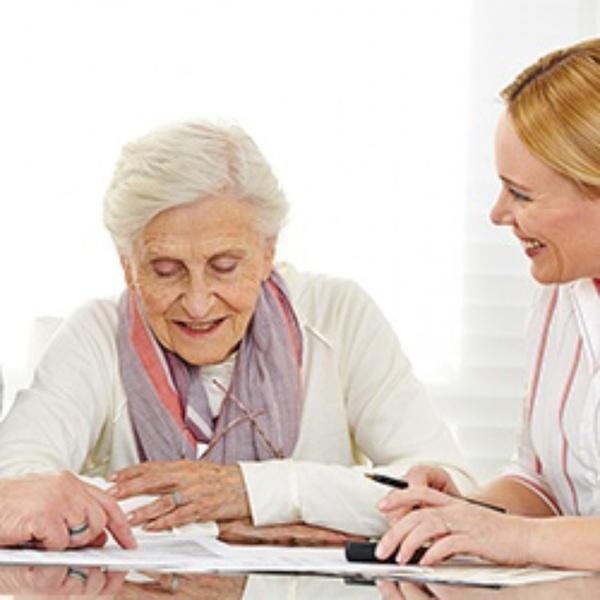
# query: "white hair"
[184,162]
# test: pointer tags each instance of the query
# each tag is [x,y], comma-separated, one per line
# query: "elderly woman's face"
[197,270]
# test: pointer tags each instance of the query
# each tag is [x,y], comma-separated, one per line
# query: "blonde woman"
[548,162]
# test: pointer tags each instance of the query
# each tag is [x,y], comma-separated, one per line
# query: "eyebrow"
[518,185]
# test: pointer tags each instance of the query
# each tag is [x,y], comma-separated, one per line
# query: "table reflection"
[66,582]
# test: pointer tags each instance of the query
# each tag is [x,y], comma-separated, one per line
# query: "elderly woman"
[548,161]
[240,391]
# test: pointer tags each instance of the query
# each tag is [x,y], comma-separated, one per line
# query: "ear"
[269,256]
[127,271]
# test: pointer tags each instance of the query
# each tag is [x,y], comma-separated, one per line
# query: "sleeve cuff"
[273,494]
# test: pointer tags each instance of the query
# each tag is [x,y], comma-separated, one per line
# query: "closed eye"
[166,267]
[519,196]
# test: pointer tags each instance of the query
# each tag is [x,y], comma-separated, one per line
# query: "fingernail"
[379,552]
[130,517]
[113,491]
[383,504]
[113,477]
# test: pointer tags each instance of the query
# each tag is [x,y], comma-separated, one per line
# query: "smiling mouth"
[531,244]
[199,329]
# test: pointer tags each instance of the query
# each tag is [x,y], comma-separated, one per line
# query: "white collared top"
[558,451]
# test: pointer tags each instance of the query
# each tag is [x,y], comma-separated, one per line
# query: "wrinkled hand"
[39,509]
[59,580]
[393,506]
[205,492]
[454,526]
[185,585]
[296,534]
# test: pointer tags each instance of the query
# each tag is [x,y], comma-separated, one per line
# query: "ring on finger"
[79,529]
[177,499]
[81,576]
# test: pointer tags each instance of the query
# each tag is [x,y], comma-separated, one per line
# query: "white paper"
[181,553]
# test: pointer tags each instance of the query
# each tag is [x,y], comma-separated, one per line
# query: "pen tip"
[369,476]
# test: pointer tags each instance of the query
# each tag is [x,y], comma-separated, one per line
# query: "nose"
[501,214]
[198,298]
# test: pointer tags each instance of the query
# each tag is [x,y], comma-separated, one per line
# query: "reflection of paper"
[204,554]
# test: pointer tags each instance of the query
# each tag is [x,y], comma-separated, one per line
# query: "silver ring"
[79,529]
[81,576]
[173,583]
[177,499]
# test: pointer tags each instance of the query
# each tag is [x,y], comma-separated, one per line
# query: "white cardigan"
[361,404]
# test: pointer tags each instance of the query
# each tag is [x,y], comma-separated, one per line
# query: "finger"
[94,582]
[47,579]
[444,548]
[116,521]
[153,510]
[427,530]
[389,590]
[395,535]
[394,516]
[147,483]
[74,581]
[132,472]
[412,591]
[99,541]
[95,520]
[113,582]
[177,518]
[50,533]
[412,496]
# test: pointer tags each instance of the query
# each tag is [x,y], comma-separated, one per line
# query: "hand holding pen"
[402,484]
[443,525]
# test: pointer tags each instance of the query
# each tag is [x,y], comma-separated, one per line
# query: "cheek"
[156,296]
[242,295]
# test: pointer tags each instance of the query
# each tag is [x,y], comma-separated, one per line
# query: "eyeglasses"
[247,415]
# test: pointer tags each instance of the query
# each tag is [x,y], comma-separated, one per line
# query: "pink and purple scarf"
[168,404]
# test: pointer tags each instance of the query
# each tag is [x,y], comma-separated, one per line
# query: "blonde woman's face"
[556,223]
[197,270]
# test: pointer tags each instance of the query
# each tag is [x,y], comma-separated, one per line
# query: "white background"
[377,116]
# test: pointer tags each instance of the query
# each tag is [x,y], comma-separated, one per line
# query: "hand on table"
[191,491]
[185,585]
[405,590]
[53,580]
[453,526]
[57,511]
[296,534]
[569,587]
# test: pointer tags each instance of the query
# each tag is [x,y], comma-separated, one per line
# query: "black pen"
[402,484]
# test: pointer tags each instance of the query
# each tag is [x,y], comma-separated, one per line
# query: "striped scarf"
[260,415]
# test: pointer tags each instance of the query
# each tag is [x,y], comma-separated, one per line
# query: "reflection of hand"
[42,508]
[454,526]
[185,585]
[579,587]
[192,491]
[393,505]
[297,534]
[59,580]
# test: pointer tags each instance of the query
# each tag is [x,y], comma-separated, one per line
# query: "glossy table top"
[64,582]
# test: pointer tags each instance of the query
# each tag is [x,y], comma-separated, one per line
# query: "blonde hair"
[554,107]
[184,162]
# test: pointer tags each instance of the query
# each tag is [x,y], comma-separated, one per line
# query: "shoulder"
[93,325]
[313,293]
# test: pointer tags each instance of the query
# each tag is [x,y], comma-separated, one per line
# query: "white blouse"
[558,454]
